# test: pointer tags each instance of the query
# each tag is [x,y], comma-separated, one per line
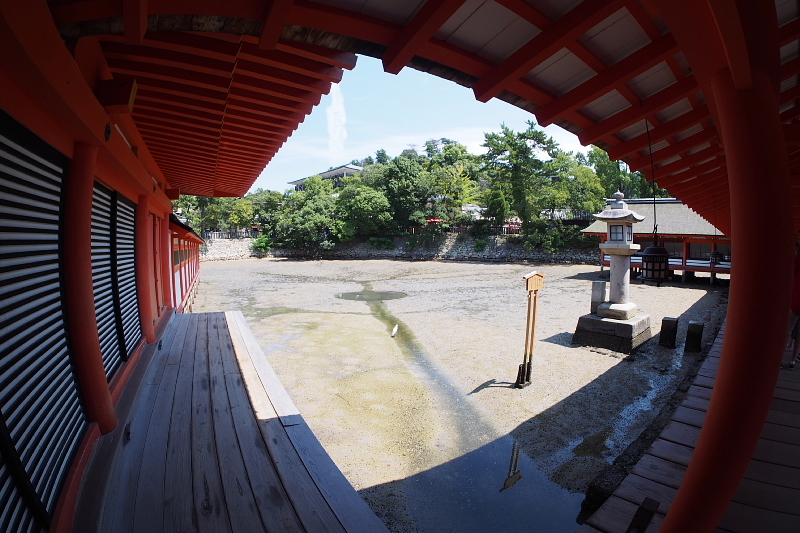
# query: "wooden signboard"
[535,280]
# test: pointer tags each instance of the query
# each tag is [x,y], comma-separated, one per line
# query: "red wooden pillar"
[144,268]
[733,52]
[79,290]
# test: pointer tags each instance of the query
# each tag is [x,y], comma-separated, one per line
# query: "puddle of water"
[371,296]
[492,485]
[493,488]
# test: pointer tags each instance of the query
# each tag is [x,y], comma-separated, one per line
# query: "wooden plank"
[616,515]
[636,488]
[787,394]
[781,433]
[768,496]
[119,507]
[177,506]
[783,418]
[308,501]
[681,433]
[746,518]
[91,501]
[283,404]
[704,381]
[788,406]
[149,494]
[778,452]
[659,470]
[210,514]
[353,512]
[671,451]
[771,473]
[272,502]
[692,417]
[236,487]
[695,402]
[700,392]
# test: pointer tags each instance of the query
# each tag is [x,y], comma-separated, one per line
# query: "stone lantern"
[614,324]
[619,245]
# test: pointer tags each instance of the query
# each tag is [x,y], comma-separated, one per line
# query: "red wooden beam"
[677,148]
[134,17]
[243,81]
[424,25]
[608,80]
[290,62]
[575,23]
[689,161]
[689,173]
[631,115]
[274,20]
[659,133]
[283,77]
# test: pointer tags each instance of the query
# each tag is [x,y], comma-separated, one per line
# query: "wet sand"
[426,424]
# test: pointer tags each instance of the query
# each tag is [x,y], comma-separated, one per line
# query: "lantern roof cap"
[617,211]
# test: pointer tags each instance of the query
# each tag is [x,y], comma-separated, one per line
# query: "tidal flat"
[425,423]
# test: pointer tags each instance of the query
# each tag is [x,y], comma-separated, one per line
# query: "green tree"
[497,208]
[267,207]
[241,214]
[406,186]
[614,177]
[361,211]
[307,219]
[513,162]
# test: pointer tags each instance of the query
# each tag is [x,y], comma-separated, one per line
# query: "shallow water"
[491,485]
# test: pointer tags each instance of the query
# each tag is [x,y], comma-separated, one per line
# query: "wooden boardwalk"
[768,499]
[209,441]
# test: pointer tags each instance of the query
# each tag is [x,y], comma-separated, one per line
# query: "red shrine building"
[109,109]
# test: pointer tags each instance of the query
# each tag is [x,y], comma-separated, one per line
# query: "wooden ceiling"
[224,83]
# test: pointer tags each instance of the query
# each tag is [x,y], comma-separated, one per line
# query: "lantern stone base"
[619,335]
[617,311]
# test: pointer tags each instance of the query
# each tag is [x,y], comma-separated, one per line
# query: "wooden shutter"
[41,416]
[126,272]
[115,297]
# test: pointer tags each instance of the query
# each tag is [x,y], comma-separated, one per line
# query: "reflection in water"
[461,495]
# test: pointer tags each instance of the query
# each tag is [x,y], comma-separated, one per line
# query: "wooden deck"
[768,499]
[209,441]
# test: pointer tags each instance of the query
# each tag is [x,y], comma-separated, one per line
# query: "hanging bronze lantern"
[716,256]
[655,264]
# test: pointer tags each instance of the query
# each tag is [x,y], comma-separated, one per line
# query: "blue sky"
[371,110]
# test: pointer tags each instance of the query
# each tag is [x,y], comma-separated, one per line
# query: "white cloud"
[337,132]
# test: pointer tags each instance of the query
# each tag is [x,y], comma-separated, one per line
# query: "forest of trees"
[522,174]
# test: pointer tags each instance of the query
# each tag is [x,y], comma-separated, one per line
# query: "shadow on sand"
[497,488]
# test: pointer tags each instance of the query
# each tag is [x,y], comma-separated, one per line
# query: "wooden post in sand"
[534,282]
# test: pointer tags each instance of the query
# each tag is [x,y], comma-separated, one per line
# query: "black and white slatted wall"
[41,416]
[114,276]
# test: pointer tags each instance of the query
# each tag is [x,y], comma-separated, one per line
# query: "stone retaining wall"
[449,247]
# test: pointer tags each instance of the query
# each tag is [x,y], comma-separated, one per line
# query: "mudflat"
[425,423]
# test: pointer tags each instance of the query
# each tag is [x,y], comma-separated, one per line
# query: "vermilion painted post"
[734,53]
[144,268]
[757,306]
[79,290]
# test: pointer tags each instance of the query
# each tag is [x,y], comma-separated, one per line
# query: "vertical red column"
[79,290]
[144,268]
[744,90]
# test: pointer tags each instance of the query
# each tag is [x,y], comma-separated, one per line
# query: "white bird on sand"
[394,331]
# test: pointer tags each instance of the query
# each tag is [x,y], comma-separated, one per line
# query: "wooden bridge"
[768,498]
[209,441]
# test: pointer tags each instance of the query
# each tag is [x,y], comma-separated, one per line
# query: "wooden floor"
[209,441]
[768,499]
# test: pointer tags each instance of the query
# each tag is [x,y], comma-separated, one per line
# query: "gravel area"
[392,410]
